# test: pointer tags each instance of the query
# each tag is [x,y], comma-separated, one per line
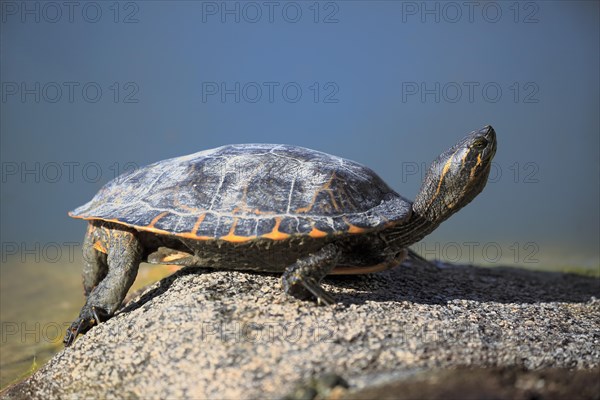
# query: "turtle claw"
[100,315]
[304,287]
[77,327]
[88,318]
[316,290]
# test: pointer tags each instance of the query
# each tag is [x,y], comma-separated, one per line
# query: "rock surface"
[483,383]
[223,334]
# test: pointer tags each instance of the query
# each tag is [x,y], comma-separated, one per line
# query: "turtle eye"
[480,143]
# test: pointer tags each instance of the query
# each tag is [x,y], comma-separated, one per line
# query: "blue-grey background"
[357,64]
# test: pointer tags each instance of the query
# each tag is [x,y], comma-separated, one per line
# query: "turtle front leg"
[303,278]
[124,256]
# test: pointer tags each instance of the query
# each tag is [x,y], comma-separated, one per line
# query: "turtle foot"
[302,279]
[88,318]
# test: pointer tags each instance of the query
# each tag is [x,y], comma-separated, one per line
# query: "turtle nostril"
[489,133]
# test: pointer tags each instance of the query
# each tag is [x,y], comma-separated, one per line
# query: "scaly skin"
[302,279]
[123,258]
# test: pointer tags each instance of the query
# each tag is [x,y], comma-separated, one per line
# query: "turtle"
[269,208]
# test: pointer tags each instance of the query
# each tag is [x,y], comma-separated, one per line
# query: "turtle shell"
[239,193]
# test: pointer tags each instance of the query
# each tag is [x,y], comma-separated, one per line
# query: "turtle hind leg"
[303,278]
[124,256]
[95,266]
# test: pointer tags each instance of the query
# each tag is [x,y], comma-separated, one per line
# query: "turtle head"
[456,176]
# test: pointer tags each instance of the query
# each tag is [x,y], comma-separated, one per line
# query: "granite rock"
[224,334]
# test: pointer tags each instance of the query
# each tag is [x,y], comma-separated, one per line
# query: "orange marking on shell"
[315,233]
[100,247]
[155,220]
[302,210]
[333,201]
[237,239]
[187,235]
[191,209]
[355,229]
[178,204]
[326,186]
[232,237]
[197,224]
[258,212]
[275,234]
